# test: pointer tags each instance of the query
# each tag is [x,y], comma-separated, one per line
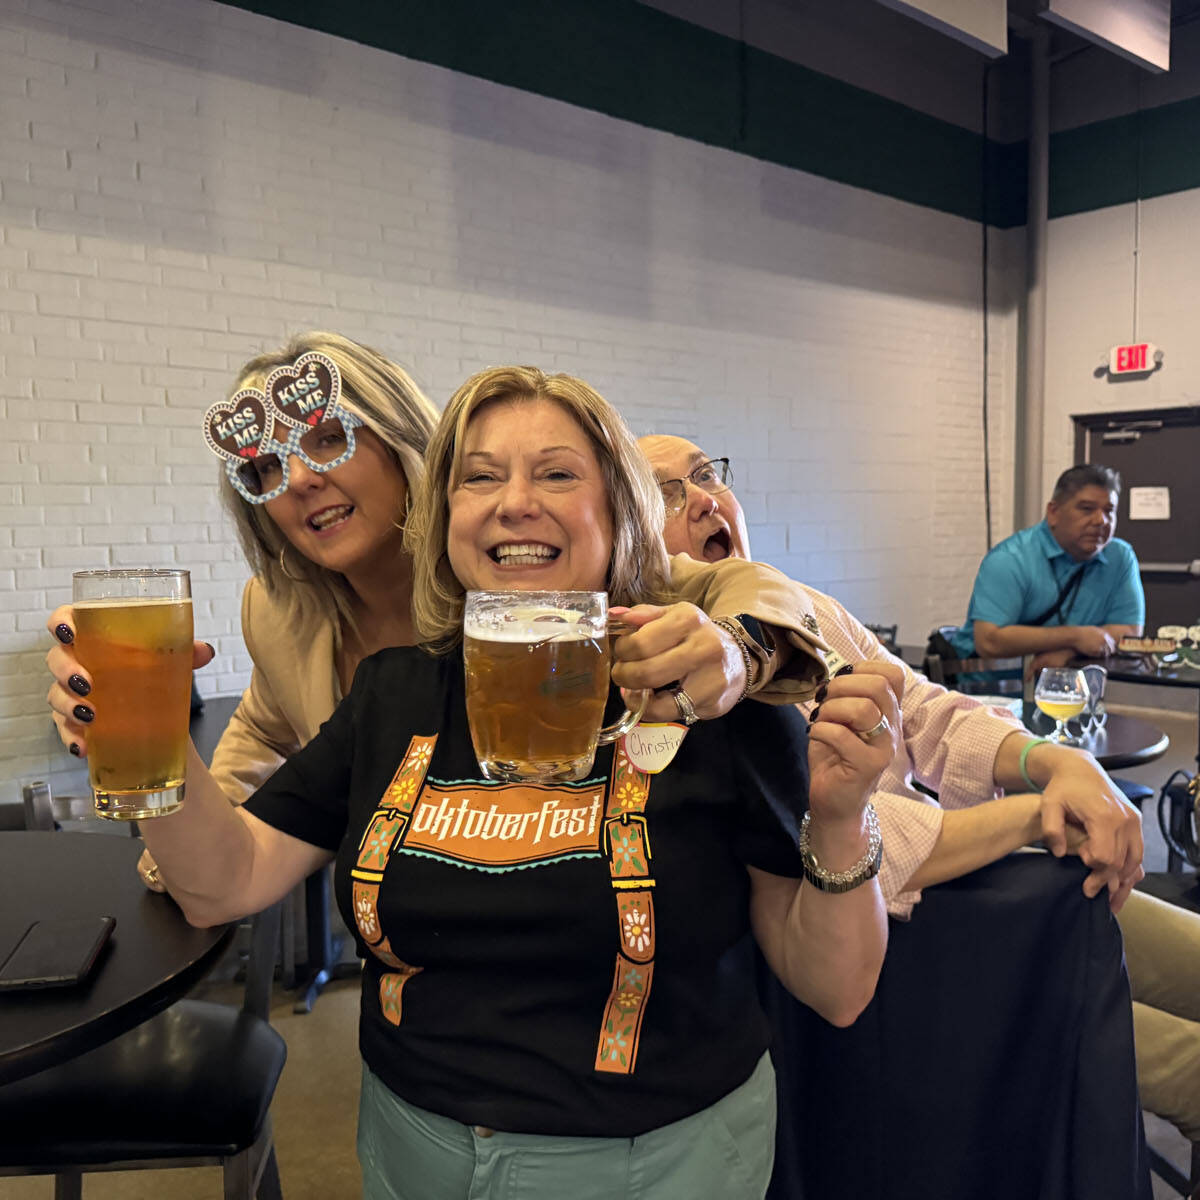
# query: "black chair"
[190,1087]
[995,1061]
[949,671]
[887,637]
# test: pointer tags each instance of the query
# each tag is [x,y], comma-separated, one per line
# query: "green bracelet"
[1033,787]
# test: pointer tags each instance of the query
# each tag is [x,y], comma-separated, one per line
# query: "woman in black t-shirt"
[558,997]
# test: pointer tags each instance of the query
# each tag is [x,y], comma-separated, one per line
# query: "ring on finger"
[869,735]
[687,709]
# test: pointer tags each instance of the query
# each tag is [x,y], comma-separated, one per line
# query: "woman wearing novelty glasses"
[319,487]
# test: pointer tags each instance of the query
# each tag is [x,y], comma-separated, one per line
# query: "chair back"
[942,665]
[887,636]
[996,1058]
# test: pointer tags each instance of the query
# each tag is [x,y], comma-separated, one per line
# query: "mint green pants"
[724,1152]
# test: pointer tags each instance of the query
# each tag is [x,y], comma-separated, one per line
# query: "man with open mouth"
[965,751]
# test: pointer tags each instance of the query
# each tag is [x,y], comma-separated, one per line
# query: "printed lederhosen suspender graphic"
[627,845]
[384,831]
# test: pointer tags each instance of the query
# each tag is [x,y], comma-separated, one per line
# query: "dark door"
[1155,448]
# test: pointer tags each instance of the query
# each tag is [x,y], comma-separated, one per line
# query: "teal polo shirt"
[1022,576]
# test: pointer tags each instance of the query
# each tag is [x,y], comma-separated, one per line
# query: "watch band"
[866,868]
[756,647]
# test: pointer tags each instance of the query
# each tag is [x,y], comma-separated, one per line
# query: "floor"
[315,1105]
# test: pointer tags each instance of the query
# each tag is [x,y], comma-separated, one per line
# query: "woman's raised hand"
[678,644]
[853,734]
[71,711]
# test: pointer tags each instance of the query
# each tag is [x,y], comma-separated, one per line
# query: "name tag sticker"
[651,745]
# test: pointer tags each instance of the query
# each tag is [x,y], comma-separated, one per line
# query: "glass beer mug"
[133,632]
[537,669]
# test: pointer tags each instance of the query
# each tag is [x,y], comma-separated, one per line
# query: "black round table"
[1123,741]
[153,957]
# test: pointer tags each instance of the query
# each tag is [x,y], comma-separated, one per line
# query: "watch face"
[754,631]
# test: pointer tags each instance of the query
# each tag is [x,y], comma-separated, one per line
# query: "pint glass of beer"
[537,682]
[133,632]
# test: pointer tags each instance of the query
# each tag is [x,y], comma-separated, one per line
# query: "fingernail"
[83,713]
[79,685]
[815,714]
[74,749]
[821,693]
[843,670]
[64,633]
[212,648]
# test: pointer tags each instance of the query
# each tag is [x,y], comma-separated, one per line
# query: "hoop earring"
[283,566]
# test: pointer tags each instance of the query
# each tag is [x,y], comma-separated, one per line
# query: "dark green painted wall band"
[638,64]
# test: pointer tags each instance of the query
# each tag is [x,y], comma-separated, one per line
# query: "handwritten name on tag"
[651,746]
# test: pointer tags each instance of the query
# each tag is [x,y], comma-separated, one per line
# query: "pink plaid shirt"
[950,745]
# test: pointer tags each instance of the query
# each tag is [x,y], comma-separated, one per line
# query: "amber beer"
[537,670]
[138,650]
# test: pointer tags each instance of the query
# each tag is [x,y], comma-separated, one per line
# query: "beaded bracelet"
[1033,787]
[732,628]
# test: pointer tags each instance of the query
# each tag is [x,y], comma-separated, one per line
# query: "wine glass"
[1061,694]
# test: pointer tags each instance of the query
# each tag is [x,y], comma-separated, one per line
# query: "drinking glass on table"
[537,668]
[133,632]
[1094,713]
[1061,693]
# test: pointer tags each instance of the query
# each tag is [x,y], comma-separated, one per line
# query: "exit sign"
[1129,360]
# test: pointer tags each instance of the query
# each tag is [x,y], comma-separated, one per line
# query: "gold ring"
[875,731]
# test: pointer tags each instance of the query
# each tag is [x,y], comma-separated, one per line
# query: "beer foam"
[533,625]
[130,602]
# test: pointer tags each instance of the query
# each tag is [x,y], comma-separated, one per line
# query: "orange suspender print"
[383,832]
[627,845]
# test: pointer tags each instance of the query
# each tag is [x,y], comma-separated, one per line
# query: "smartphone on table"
[56,952]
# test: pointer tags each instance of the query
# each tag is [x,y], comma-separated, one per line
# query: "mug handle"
[631,716]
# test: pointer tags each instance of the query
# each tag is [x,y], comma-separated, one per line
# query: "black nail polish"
[83,713]
[821,693]
[74,749]
[843,670]
[815,714]
[79,685]
[64,633]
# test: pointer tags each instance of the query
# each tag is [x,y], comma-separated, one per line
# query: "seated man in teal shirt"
[1063,587]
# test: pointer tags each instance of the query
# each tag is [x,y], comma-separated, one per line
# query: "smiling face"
[1084,523]
[708,528]
[345,519]
[529,508]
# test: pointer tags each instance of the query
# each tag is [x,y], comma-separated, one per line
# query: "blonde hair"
[637,570]
[392,406]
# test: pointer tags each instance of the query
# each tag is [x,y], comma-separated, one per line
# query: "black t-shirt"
[505,999]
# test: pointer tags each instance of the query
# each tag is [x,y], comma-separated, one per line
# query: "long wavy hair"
[637,570]
[384,395]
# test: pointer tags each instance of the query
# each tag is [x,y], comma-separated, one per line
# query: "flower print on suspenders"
[383,832]
[627,846]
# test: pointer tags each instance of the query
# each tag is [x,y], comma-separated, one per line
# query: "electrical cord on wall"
[984,157]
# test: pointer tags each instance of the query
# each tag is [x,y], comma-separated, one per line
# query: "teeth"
[329,516]
[533,551]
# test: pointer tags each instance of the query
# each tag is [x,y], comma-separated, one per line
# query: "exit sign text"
[1127,360]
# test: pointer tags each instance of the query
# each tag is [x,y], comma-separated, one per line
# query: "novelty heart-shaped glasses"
[303,398]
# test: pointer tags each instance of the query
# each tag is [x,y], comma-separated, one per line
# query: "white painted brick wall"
[1090,280]
[183,184]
